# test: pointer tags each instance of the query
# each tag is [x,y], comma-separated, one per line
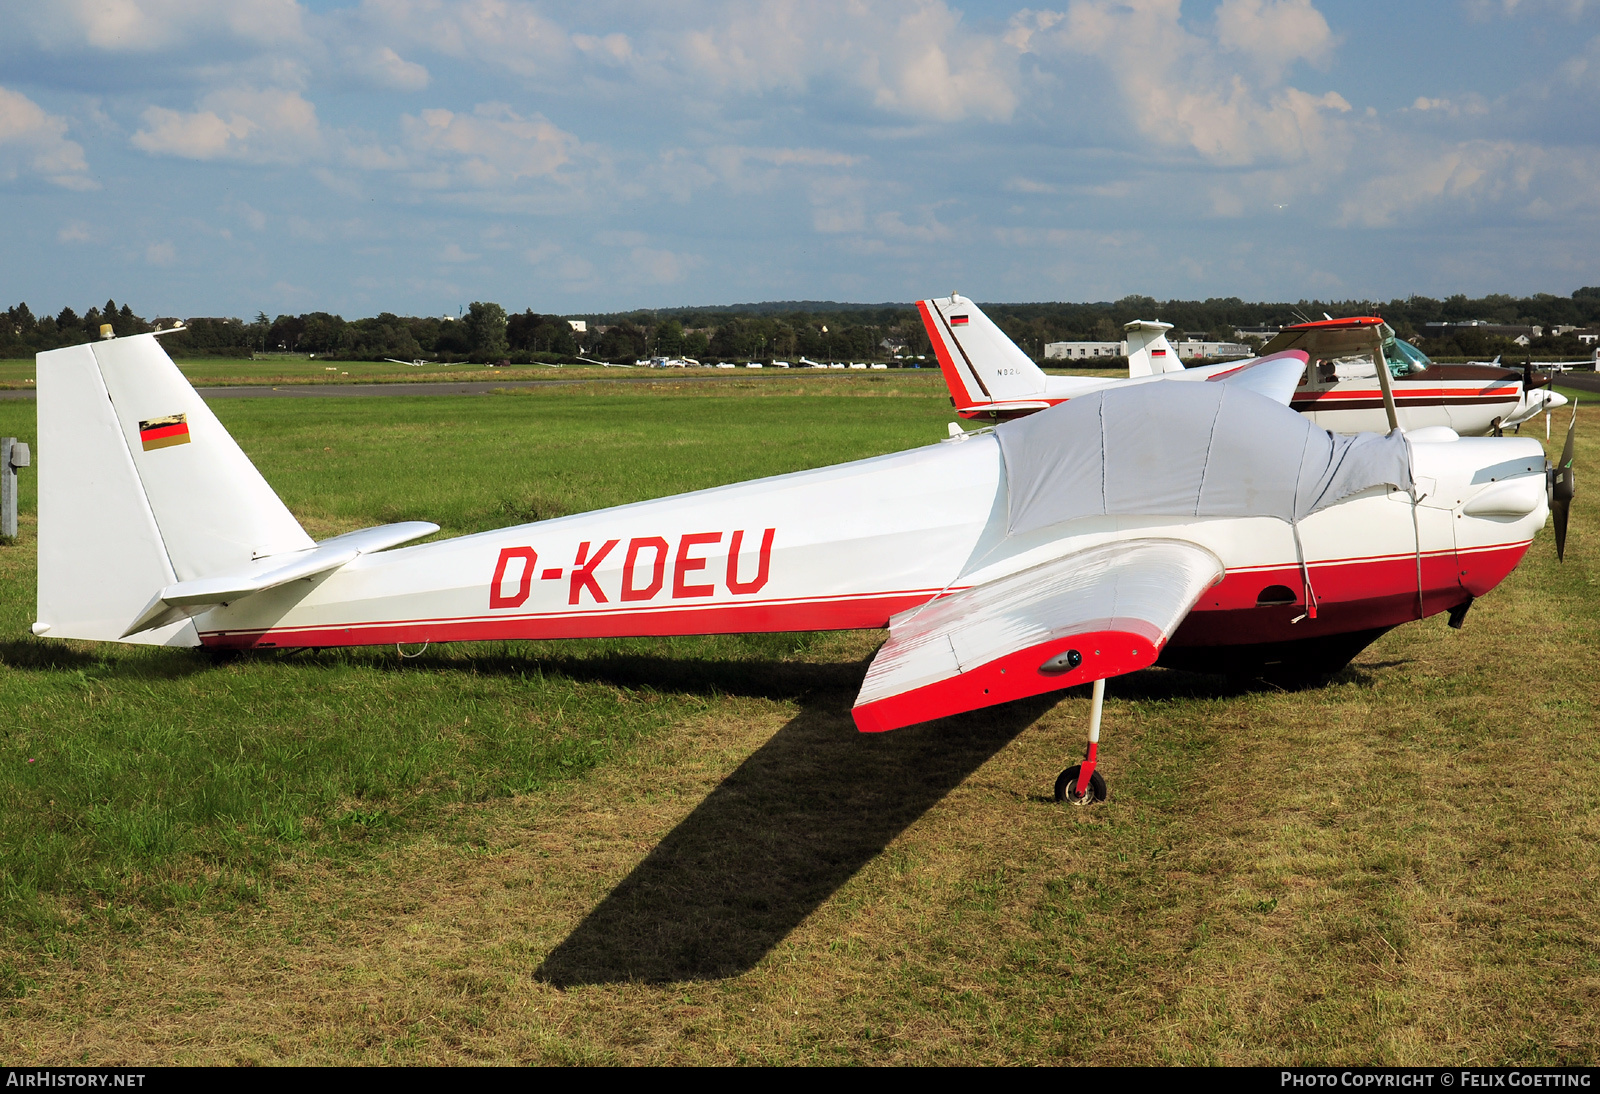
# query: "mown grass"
[144,778]
[1400,867]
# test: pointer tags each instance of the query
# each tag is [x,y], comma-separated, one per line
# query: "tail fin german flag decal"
[164,432]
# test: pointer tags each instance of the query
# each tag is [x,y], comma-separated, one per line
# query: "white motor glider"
[1205,525]
[991,379]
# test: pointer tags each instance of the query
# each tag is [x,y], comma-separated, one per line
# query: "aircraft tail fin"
[1149,352]
[140,488]
[981,365]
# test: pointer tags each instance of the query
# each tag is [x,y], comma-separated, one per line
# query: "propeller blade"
[1563,487]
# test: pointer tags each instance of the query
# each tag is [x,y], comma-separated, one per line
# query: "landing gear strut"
[1081,783]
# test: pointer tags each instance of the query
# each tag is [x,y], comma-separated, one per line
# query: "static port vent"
[1275,596]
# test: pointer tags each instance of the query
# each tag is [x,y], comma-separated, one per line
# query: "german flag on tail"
[164,432]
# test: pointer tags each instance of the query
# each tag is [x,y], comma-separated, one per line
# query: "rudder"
[140,486]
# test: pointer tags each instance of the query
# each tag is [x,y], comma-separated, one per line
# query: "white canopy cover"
[1200,450]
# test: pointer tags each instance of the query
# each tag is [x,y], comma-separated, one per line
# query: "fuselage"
[851,545]
[1469,399]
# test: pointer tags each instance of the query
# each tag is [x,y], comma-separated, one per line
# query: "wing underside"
[1082,617]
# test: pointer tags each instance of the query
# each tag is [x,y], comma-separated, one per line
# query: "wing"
[1082,617]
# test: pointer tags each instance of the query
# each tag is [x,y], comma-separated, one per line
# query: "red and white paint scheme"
[991,379]
[1340,388]
[187,545]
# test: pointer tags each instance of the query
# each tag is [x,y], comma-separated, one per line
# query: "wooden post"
[8,489]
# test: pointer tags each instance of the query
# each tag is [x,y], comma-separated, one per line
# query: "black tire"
[1067,782]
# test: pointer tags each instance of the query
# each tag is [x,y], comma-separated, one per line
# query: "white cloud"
[142,26]
[1181,91]
[161,254]
[659,267]
[1469,104]
[747,170]
[453,253]
[613,48]
[1526,181]
[912,58]
[506,33]
[1275,33]
[1483,9]
[385,68]
[265,126]
[493,146]
[75,231]
[35,142]
[838,205]
[892,225]
[909,57]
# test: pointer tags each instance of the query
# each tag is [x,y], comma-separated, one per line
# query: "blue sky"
[200,158]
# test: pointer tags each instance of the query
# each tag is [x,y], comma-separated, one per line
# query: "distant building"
[1587,335]
[1192,348]
[1189,348]
[1266,334]
[1078,351]
[1519,334]
[579,326]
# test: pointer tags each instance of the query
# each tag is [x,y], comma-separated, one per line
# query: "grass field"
[228,371]
[680,850]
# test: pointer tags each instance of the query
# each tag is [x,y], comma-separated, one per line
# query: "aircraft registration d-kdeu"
[1203,525]
[991,379]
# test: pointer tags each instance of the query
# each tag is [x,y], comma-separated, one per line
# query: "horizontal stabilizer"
[189,598]
[1083,617]
[1149,352]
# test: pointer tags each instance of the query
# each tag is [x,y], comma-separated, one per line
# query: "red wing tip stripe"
[1015,675]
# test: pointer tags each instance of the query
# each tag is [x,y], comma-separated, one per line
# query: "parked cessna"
[990,379]
[1204,526]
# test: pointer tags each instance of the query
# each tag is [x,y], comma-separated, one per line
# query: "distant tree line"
[785,330]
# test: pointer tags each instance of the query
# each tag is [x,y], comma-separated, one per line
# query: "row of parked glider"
[1269,517]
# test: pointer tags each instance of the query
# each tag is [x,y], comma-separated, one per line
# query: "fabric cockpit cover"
[1185,450]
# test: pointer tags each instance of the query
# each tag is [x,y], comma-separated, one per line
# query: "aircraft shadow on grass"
[775,840]
[806,812]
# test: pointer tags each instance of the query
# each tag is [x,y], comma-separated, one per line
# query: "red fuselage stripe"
[1353,594]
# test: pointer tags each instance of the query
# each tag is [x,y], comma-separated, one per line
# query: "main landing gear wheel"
[1067,786]
[1067,781]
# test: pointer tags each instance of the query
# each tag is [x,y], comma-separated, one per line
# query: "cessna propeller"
[1562,488]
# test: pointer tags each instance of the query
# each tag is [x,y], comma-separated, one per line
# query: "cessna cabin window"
[1404,358]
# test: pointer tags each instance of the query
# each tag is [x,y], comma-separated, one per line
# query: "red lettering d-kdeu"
[687,564]
[658,577]
[583,571]
[497,599]
[762,566]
